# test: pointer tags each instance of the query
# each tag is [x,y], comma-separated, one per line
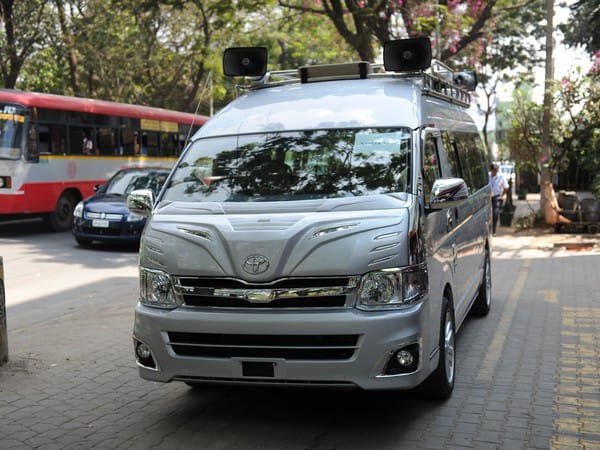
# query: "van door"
[442,226]
[470,216]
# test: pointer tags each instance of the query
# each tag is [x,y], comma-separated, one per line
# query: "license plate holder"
[100,223]
[258,369]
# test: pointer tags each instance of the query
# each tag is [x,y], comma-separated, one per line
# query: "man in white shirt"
[499,188]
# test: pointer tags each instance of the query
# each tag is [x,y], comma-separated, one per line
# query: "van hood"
[271,245]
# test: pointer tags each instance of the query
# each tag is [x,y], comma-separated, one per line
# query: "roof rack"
[438,81]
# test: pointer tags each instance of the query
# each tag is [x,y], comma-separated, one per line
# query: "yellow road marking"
[577,393]
[550,295]
[494,351]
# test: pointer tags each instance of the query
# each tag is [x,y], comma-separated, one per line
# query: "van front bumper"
[380,334]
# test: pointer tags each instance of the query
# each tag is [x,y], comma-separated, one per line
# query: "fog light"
[142,351]
[144,355]
[405,358]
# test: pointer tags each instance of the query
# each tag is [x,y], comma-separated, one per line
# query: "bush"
[532,220]
[596,186]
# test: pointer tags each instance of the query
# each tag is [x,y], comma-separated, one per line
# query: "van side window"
[472,160]
[431,166]
[451,156]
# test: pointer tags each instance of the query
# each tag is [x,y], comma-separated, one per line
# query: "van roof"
[373,102]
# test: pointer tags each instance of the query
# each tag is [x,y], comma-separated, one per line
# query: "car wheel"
[61,219]
[483,302]
[440,383]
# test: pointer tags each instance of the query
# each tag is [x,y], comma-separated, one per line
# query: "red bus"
[55,149]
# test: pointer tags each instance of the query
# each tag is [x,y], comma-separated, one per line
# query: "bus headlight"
[78,211]
[392,288]
[156,289]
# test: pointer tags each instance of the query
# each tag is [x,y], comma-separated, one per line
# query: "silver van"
[330,227]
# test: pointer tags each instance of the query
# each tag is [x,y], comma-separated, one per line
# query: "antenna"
[207,81]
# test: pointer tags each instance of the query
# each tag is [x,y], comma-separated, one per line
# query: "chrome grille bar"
[265,294]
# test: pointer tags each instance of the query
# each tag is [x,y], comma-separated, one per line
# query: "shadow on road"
[347,417]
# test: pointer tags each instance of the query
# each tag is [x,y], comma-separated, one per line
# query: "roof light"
[407,55]
[326,72]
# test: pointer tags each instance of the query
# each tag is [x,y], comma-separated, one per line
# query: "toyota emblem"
[255,264]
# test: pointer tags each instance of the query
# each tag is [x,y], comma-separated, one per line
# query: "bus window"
[169,145]
[79,137]
[52,138]
[107,142]
[150,143]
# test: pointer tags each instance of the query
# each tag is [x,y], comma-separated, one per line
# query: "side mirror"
[467,79]
[141,201]
[448,193]
[32,153]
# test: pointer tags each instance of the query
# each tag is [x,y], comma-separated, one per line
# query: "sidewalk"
[545,238]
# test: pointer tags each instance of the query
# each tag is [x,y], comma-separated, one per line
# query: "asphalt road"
[527,375]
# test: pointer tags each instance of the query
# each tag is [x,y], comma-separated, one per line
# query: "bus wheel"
[61,219]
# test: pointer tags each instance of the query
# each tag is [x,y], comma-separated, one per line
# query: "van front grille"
[296,347]
[293,293]
[228,302]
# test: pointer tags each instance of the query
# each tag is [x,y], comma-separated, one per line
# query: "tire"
[83,242]
[483,302]
[61,219]
[440,383]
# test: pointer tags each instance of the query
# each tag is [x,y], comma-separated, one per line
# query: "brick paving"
[528,376]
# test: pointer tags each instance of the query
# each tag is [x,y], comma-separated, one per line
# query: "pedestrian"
[499,188]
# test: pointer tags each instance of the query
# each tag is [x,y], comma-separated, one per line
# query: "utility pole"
[546,175]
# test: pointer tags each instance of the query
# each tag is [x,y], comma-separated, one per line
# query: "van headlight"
[78,211]
[392,288]
[156,289]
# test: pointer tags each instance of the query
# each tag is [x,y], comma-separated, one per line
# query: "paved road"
[528,374]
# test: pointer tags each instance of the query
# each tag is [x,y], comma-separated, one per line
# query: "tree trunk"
[70,44]
[545,172]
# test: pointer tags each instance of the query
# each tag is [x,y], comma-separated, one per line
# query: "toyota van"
[329,227]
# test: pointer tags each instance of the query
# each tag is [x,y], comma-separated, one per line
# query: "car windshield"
[125,181]
[294,166]
[12,121]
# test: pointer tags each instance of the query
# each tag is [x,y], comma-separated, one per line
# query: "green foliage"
[575,126]
[24,28]
[161,53]
[583,28]
[596,186]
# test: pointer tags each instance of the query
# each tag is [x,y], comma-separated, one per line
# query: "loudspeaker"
[466,79]
[245,61]
[407,55]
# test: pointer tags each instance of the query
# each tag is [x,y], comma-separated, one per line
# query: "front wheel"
[483,302]
[440,383]
[61,219]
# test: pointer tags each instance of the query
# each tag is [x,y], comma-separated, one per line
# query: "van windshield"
[298,165]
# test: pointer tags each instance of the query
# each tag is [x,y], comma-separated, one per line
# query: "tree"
[583,27]
[23,32]
[492,37]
